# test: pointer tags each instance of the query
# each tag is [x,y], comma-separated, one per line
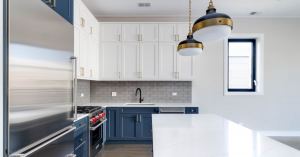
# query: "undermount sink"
[139,104]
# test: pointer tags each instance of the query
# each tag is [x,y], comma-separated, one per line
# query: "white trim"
[280,133]
[259,63]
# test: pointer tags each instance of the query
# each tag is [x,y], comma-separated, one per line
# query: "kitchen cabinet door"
[113,129]
[83,17]
[130,32]
[149,60]
[110,32]
[93,58]
[129,129]
[185,69]
[149,32]
[145,127]
[167,61]
[167,32]
[110,60]
[130,61]
[83,67]
[182,31]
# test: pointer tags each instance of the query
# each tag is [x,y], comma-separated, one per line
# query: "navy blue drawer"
[191,110]
[81,151]
[81,139]
[140,110]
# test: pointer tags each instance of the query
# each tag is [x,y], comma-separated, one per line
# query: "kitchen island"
[211,136]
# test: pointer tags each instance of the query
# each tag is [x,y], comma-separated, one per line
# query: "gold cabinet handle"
[91,30]
[82,22]
[81,71]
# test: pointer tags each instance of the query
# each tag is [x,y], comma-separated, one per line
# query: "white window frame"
[259,63]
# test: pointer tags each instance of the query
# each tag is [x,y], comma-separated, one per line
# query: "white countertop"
[80,116]
[211,136]
[142,105]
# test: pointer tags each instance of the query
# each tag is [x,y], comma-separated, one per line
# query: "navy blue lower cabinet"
[191,110]
[145,126]
[62,7]
[133,124]
[129,126]
[113,125]
[81,137]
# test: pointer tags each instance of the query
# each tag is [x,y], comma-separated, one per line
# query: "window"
[243,65]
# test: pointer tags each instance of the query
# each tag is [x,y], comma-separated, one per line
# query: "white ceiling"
[178,8]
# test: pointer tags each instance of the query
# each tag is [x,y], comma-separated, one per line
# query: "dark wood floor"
[126,150]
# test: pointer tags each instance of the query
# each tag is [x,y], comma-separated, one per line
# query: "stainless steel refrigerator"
[41,81]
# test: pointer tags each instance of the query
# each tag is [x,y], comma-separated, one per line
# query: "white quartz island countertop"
[211,136]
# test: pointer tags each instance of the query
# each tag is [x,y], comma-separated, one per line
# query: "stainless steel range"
[97,117]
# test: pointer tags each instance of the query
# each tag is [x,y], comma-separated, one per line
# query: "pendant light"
[190,46]
[213,26]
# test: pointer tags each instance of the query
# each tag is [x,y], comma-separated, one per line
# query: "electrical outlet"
[81,94]
[174,93]
[113,93]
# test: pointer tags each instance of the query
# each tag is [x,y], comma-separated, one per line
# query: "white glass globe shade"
[212,33]
[190,51]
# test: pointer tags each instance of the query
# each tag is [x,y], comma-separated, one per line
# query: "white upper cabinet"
[86,42]
[167,61]
[110,55]
[130,33]
[83,55]
[167,32]
[149,61]
[182,31]
[110,32]
[148,33]
[130,61]
[143,51]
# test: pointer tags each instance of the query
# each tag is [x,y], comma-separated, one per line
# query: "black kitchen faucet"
[136,93]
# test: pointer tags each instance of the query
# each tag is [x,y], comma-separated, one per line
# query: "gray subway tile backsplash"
[155,91]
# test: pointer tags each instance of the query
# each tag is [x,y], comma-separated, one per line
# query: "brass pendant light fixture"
[213,26]
[190,46]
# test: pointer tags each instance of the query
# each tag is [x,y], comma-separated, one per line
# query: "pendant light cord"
[190,17]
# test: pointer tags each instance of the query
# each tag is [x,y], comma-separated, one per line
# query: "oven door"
[96,139]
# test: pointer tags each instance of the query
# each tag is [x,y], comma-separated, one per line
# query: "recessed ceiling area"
[178,8]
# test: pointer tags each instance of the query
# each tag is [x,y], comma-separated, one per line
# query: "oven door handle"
[95,127]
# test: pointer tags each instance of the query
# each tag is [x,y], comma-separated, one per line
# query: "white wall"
[1,78]
[279,108]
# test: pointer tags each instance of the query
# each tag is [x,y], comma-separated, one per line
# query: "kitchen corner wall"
[156,92]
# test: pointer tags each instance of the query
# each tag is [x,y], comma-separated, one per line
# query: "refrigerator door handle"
[32,151]
[74,59]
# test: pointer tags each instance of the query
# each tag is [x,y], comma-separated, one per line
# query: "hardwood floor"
[126,150]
